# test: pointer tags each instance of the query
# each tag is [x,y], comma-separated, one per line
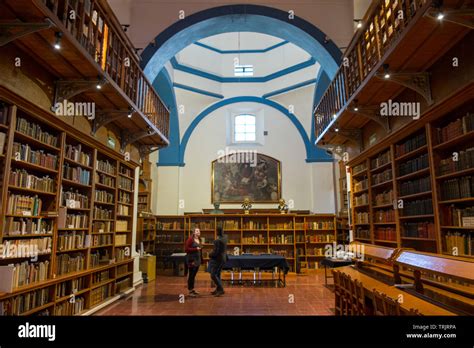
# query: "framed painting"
[233,179]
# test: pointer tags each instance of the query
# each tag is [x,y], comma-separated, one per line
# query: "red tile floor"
[161,297]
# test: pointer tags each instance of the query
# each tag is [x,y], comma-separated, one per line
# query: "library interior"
[266,158]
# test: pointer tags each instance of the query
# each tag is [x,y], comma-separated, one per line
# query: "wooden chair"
[303,268]
[392,307]
[360,297]
[378,302]
[338,292]
[347,287]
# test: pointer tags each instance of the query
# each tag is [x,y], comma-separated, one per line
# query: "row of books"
[203,225]
[105,180]
[24,152]
[73,240]
[418,207]
[315,251]
[74,199]
[460,126]
[23,205]
[320,238]
[120,239]
[125,197]
[380,160]
[459,243]
[35,131]
[281,239]
[362,233]
[100,294]
[260,239]
[76,174]
[230,225]
[413,165]
[28,301]
[460,217]
[385,233]
[23,226]
[100,277]
[457,188]
[387,215]
[419,229]
[122,254]
[102,226]
[21,178]
[361,185]
[362,217]
[125,183]
[105,166]
[255,225]
[320,225]
[125,171]
[100,257]
[105,239]
[68,263]
[361,200]
[105,214]
[359,168]
[122,269]
[175,225]
[123,209]
[379,178]
[26,273]
[75,153]
[104,197]
[461,161]
[70,307]
[415,186]
[70,286]
[73,220]
[17,248]
[385,197]
[281,225]
[411,144]
[121,226]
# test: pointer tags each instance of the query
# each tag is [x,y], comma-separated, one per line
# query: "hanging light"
[440,16]
[359,23]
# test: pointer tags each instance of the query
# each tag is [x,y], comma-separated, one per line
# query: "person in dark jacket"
[218,258]
[193,259]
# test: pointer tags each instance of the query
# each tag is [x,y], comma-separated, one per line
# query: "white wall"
[309,185]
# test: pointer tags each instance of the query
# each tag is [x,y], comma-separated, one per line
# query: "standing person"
[193,259]
[218,258]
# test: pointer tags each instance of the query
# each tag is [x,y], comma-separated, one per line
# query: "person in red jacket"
[193,259]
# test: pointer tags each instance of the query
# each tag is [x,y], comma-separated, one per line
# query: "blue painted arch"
[313,154]
[243,18]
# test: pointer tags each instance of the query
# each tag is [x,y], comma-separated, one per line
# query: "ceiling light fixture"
[57,44]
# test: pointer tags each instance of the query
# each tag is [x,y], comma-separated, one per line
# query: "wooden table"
[409,301]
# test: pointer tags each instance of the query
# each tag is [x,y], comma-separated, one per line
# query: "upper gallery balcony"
[82,44]
[397,41]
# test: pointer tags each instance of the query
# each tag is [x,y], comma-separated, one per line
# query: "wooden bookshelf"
[146,233]
[65,210]
[297,237]
[432,167]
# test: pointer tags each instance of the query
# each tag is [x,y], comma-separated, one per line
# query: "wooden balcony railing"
[383,25]
[99,33]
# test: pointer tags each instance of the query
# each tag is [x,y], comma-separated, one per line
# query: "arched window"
[244,128]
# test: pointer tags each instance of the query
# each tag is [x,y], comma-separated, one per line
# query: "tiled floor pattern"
[162,297]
